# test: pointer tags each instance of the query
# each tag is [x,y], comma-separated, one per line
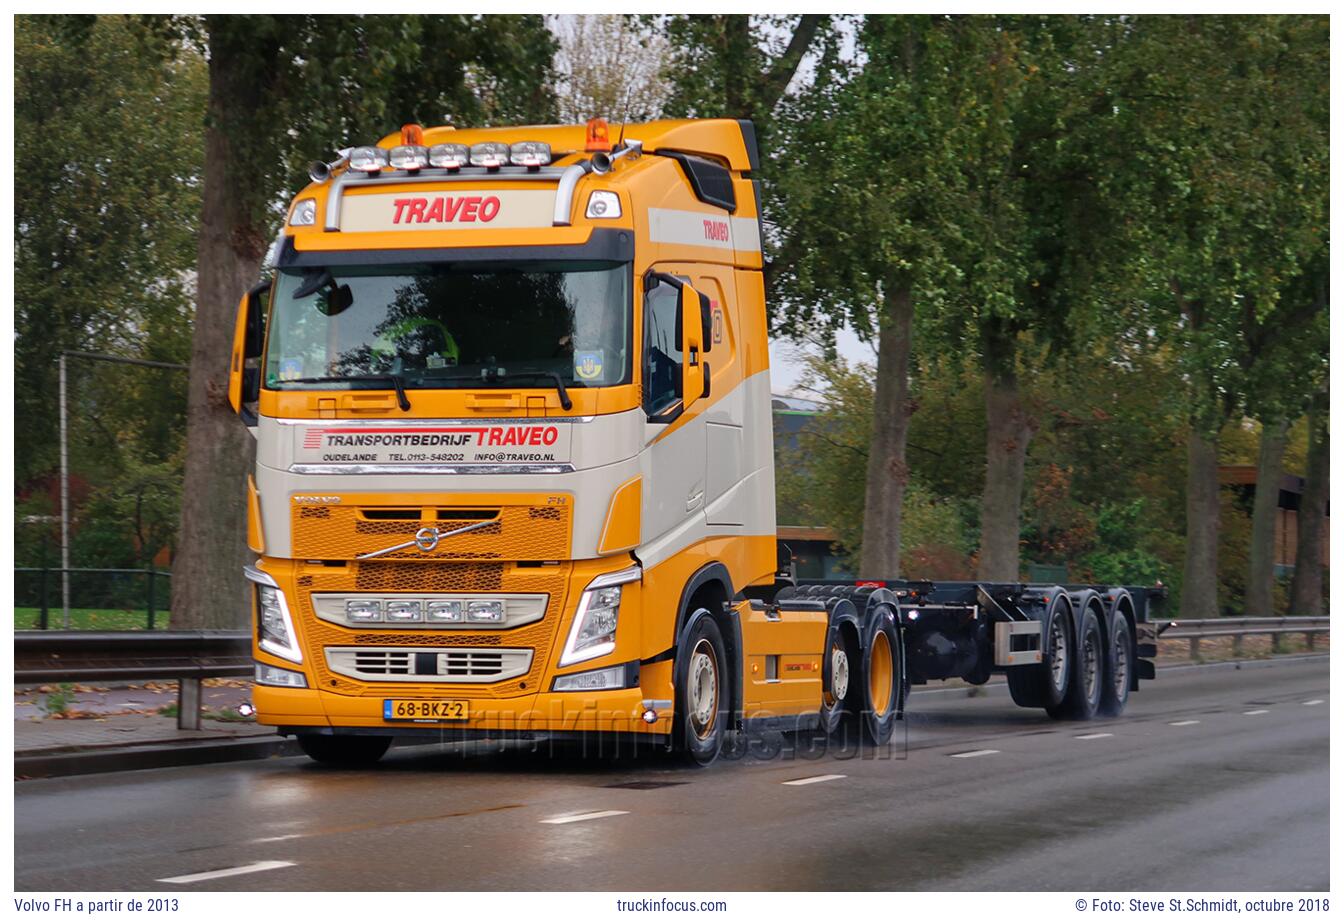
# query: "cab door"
[673,463]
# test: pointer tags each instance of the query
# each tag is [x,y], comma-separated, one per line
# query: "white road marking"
[974,753]
[1313,702]
[1185,722]
[277,839]
[585,816]
[1094,735]
[225,873]
[809,780]
[1255,712]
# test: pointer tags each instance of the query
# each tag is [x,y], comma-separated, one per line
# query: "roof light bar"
[532,154]
[408,156]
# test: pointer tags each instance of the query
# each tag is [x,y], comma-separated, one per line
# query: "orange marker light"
[597,136]
[413,134]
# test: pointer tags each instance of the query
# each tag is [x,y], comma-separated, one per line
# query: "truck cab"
[510,391]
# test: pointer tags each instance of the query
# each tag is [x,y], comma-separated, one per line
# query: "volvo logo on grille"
[426,539]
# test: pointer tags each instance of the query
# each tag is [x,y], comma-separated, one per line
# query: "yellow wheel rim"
[879,674]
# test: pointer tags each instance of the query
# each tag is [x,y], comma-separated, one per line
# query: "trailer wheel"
[881,680]
[838,674]
[702,694]
[344,750]
[1046,684]
[1089,675]
[1115,692]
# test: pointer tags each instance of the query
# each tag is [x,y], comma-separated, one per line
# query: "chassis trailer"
[510,391]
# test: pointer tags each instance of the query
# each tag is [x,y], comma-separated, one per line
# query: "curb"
[53,762]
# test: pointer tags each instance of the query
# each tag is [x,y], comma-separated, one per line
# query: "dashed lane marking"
[1094,736]
[809,780]
[1255,712]
[1184,722]
[1313,702]
[225,873]
[974,753]
[585,816]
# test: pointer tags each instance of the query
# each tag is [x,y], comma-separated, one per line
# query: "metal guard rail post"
[187,656]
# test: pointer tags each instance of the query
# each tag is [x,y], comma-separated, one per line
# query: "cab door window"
[662,349]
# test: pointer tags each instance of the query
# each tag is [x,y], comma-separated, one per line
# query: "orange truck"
[511,396]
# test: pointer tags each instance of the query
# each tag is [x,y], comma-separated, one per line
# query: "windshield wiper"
[497,373]
[398,383]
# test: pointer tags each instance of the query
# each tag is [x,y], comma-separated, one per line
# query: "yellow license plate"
[425,710]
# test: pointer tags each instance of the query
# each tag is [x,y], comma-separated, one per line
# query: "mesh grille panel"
[519,532]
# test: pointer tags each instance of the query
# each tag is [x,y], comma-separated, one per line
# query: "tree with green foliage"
[1225,180]
[104,229]
[284,90]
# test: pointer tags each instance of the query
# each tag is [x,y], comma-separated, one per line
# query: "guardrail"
[185,656]
[1239,627]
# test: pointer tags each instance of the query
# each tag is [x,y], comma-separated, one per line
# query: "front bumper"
[597,711]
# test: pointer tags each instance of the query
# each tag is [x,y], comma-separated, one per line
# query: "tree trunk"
[1008,431]
[1260,578]
[1307,596]
[1199,585]
[887,472]
[208,585]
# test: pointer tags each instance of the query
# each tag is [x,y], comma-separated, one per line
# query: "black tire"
[1089,674]
[701,719]
[344,750]
[1119,667]
[1046,684]
[881,678]
[839,659]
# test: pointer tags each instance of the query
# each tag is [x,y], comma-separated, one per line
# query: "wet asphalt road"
[1229,801]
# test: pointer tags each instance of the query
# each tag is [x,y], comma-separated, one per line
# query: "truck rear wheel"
[702,694]
[881,679]
[1089,675]
[1115,691]
[1046,684]
[344,751]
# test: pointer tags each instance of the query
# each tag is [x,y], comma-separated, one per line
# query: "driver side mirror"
[245,361]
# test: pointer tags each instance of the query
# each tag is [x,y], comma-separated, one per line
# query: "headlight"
[278,677]
[363,611]
[408,156]
[368,159]
[444,611]
[275,629]
[449,156]
[490,154]
[530,153]
[485,612]
[593,633]
[403,611]
[617,678]
[304,213]
[604,204]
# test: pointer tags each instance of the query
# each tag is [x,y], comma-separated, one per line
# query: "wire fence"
[106,599]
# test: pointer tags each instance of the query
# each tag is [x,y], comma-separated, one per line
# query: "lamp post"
[65,463]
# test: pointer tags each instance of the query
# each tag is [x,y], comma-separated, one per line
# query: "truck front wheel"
[344,751]
[702,694]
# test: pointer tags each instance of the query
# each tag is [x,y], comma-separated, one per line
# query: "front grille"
[471,665]
[420,578]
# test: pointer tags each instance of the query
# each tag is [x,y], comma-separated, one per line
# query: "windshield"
[451,325]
